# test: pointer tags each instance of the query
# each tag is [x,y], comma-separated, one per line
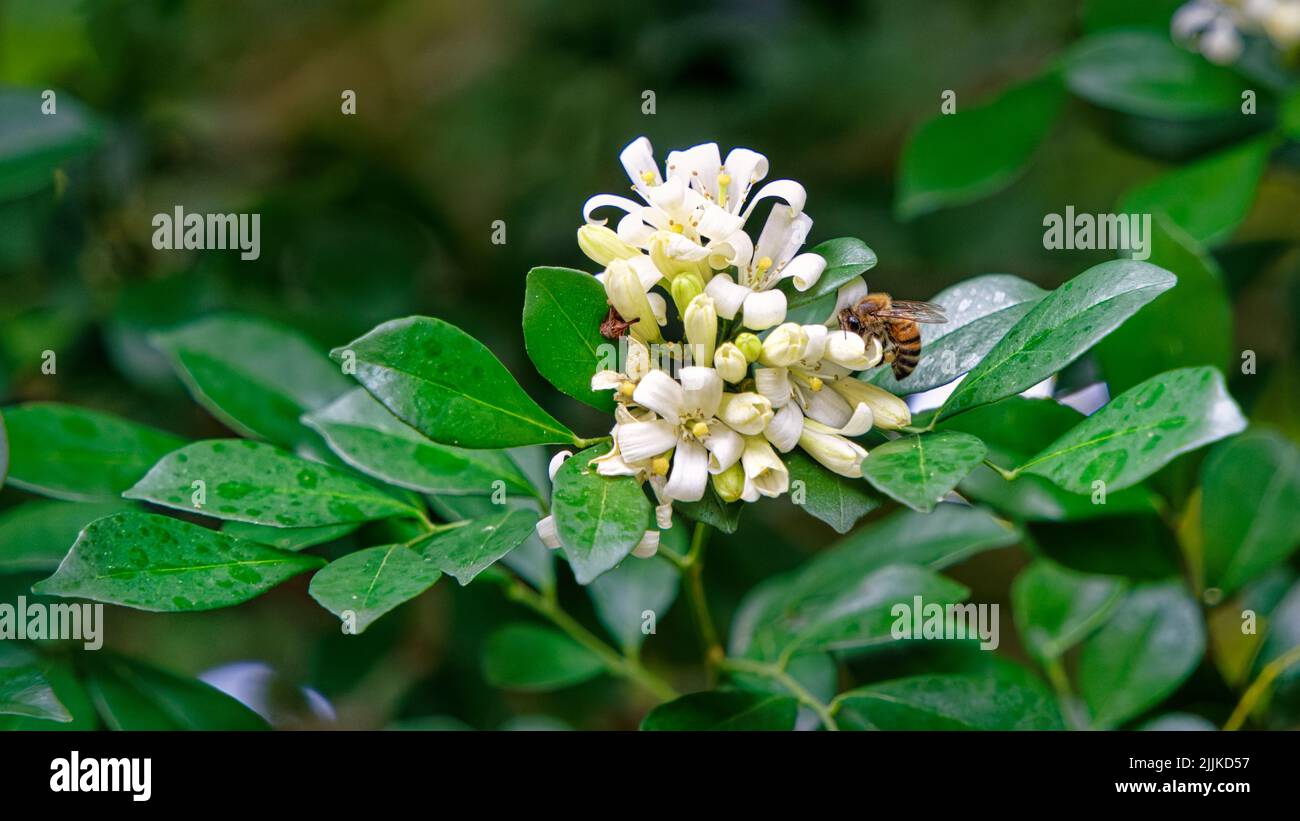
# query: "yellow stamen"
[699,430]
[627,389]
[724,179]
[764,263]
[676,227]
[815,383]
[659,465]
[647,177]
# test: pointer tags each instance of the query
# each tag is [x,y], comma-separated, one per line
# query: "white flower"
[682,438]
[888,410]
[700,321]
[636,364]
[747,413]
[784,346]
[765,473]
[1216,27]
[832,450]
[730,362]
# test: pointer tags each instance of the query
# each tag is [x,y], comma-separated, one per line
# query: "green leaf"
[360,587]
[958,158]
[1290,116]
[24,691]
[259,483]
[79,454]
[949,535]
[846,258]
[836,500]
[624,594]
[59,672]
[1148,647]
[1140,431]
[1099,15]
[1190,324]
[1250,508]
[469,549]
[980,312]
[920,470]
[1209,198]
[288,538]
[724,710]
[369,438]
[447,385]
[563,311]
[257,377]
[950,702]
[1016,428]
[1056,608]
[599,518]
[1063,325]
[1147,74]
[132,695]
[712,511]
[157,563]
[531,560]
[532,658]
[33,144]
[34,537]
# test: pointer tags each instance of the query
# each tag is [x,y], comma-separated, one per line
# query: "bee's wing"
[915,311]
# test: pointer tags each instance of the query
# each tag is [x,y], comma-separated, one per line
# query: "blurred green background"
[469,113]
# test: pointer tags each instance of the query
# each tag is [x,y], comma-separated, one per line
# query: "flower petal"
[631,207]
[556,461]
[744,167]
[848,350]
[701,390]
[784,429]
[773,383]
[805,270]
[764,309]
[690,474]
[642,441]
[765,473]
[648,546]
[825,405]
[660,393]
[606,380]
[789,190]
[638,160]
[547,532]
[724,446]
[728,297]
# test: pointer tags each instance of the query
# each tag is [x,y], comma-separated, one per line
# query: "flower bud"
[750,345]
[849,350]
[784,346]
[730,483]
[730,362]
[746,413]
[888,411]
[837,454]
[701,323]
[626,294]
[602,246]
[684,288]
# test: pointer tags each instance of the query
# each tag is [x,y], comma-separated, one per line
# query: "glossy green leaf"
[447,385]
[24,691]
[465,551]
[69,691]
[625,595]
[288,538]
[1140,431]
[957,158]
[532,658]
[132,695]
[259,483]
[532,560]
[1209,198]
[712,511]
[599,518]
[846,258]
[950,702]
[34,537]
[724,710]
[949,535]
[1149,646]
[1250,508]
[162,564]
[1063,325]
[1016,428]
[838,501]
[920,470]
[1190,324]
[369,438]
[980,311]
[79,454]
[1147,74]
[563,310]
[1056,607]
[256,376]
[33,144]
[360,587]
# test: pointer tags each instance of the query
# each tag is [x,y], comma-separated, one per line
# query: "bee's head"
[850,322]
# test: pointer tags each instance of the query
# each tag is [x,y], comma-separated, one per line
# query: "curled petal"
[660,393]
[556,461]
[850,293]
[784,429]
[631,207]
[744,168]
[816,347]
[648,546]
[690,473]
[659,306]
[782,237]
[642,441]
[638,159]
[547,533]
[805,270]
[746,413]
[728,297]
[789,190]
[724,446]
[859,423]
[889,411]
[606,380]
[645,270]
[664,514]
[764,309]
[773,383]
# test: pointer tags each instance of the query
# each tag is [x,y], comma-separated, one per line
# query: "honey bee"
[893,323]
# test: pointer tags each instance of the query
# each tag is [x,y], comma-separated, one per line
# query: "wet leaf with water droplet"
[599,518]
[362,586]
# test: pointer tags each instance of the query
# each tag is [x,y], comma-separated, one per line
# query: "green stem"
[583,444]
[1257,690]
[1001,471]
[619,665]
[693,574]
[825,713]
[1064,693]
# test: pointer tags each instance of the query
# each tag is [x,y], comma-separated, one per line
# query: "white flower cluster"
[723,405]
[1216,27]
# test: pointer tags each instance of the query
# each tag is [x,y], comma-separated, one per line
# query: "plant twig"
[1001,471]
[1256,691]
[825,713]
[692,568]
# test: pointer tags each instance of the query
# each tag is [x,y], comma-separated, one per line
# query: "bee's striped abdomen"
[906,336]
